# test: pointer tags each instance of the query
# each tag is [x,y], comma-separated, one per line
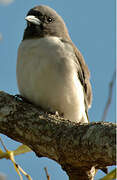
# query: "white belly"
[47,76]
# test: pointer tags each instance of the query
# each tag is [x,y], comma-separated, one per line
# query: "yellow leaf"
[21,149]
[1,150]
[110,176]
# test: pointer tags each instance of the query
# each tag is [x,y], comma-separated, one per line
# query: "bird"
[51,71]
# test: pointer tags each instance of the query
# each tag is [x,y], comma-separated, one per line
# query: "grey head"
[44,21]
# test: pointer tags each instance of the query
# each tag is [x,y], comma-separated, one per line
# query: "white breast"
[47,76]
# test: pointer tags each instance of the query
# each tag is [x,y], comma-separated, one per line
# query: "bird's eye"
[49,19]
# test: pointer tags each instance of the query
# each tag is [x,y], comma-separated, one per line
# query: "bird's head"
[44,21]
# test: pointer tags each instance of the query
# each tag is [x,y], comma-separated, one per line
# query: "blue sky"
[91,25]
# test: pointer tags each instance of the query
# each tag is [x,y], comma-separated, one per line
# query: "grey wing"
[84,76]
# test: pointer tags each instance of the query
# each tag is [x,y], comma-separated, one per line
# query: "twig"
[47,175]
[18,169]
[24,173]
[104,115]
[3,144]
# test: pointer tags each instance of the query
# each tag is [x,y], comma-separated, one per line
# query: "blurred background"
[91,25]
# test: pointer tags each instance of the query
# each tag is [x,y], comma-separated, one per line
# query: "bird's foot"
[21,98]
[54,113]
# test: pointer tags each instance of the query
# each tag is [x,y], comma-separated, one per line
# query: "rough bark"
[78,148]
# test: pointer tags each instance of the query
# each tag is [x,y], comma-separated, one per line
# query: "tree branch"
[78,148]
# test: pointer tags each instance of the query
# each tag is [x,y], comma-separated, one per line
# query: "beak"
[33,19]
